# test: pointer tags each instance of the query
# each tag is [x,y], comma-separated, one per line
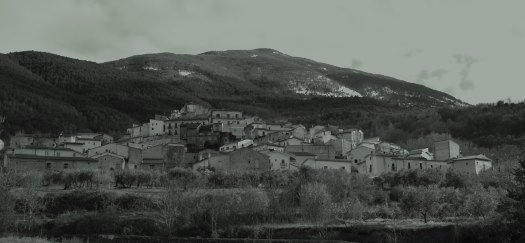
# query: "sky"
[471,49]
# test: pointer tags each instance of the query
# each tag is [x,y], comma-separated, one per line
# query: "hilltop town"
[203,138]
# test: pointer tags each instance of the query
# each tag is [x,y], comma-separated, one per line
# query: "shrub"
[124,178]
[52,177]
[92,200]
[396,193]
[315,202]
[234,179]
[7,206]
[340,184]
[11,178]
[391,211]
[420,200]
[212,209]
[277,178]
[452,201]
[183,177]
[350,209]
[411,178]
[482,202]
[130,201]
[281,206]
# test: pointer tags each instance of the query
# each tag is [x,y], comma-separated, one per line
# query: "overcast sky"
[472,49]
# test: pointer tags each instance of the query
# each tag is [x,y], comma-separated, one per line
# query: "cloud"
[425,75]
[466,61]
[356,63]
[412,53]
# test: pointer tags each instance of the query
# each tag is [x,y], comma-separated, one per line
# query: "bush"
[84,178]
[234,179]
[407,178]
[452,202]
[77,200]
[131,201]
[128,178]
[7,217]
[340,184]
[212,209]
[315,202]
[391,211]
[52,177]
[11,178]
[396,193]
[482,202]
[350,209]
[422,201]
[182,177]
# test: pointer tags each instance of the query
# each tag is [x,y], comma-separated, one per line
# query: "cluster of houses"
[202,138]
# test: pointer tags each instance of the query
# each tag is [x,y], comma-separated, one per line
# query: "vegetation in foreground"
[215,204]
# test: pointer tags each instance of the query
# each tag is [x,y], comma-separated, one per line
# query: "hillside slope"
[259,71]
[43,92]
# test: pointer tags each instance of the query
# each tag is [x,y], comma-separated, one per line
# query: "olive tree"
[423,201]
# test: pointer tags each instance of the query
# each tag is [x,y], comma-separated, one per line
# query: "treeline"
[487,125]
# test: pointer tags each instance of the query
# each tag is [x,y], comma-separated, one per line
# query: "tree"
[183,177]
[517,194]
[482,202]
[315,202]
[422,201]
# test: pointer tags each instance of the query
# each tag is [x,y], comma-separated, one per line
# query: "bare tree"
[170,211]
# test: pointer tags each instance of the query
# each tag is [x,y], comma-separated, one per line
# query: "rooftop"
[28,156]
[478,157]
[302,154]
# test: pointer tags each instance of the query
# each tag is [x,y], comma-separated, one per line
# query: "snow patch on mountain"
[185,72]
[254,55]
[151,68]
[349,92]
[320,85]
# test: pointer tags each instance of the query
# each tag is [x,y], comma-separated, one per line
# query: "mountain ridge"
[45,92]
[283,73]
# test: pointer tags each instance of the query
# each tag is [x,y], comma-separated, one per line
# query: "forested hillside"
[42,92]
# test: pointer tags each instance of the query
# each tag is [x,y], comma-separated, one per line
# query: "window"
[151,167]
[355,160]
[343,168]
[58,153]
[420,165]
[48,165]
[431,166]
[409,165]
[217,115]
[370,169]
[393,167]
[466,163]
[326,167]
[237,116]
[227,115]
[66,165]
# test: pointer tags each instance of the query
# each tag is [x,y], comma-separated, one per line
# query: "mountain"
[43,92]
[263,71]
